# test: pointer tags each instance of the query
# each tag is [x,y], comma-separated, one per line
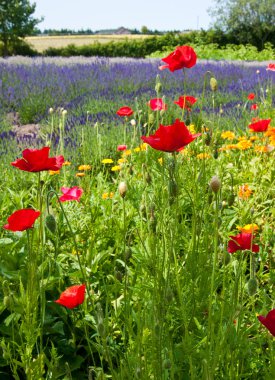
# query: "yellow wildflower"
[107,161]
[126,153]
[202,156]
[53,172]
[261,148]
[80,174]
[249,228]
[228,135]
[116,168]
[107,195]
[160,160]
[66,163]
[192,129]
[84,167]
[121,161]
[244,144]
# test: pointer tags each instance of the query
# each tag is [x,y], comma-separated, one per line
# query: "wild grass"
[149,236]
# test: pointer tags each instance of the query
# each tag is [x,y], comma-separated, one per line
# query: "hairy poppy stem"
[74,241]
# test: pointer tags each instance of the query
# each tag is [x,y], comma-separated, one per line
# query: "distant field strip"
[41,43]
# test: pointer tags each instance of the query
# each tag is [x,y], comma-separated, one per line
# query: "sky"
[162,15]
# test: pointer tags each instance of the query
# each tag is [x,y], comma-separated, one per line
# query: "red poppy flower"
[157,104]
[71,194]
[260,125]
[251,96]
[72,296]
[170,138]
[125,111]
[37,160]
[254,107]
[186,102]
[120,148]
[271,67]
[183,56]
[242,242]
[22,220]
[269,321]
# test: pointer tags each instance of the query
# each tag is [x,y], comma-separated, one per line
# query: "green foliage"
[246,21]
[16,22]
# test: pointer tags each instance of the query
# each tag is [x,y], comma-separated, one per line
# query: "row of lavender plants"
[138,219]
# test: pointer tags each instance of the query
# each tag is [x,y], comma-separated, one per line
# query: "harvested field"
[41,43]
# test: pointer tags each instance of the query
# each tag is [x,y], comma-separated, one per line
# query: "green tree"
[16,22]
[247,21]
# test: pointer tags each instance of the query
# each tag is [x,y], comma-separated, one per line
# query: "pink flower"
[254,107]
[120,148]
[268,321]
[157,104]
[242,242]
[71,194]
[271,67]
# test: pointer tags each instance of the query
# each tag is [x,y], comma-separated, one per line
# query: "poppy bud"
[50,110]
[158,87]
[167,364]
[213,84]
[51,223]
[207,139]
[252,286]
[151,118]
[231,199]
[122,188]
[215,184]
[148,178]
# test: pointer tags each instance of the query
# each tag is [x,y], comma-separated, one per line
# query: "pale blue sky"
[100,14]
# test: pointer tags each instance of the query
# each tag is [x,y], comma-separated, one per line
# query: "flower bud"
[213,84]
[151,118]
[51,223]
[122,188]
[158,87]
[252,286]
[215,184]
[50,110]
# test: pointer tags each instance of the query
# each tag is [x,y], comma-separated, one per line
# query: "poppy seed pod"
[252,286]
[122,188]
[215,184]
[213,84]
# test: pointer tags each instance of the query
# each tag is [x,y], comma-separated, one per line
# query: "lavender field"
[138,219]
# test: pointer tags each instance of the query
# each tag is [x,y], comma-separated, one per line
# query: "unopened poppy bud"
[158,87]
[213,84]
[50,110]
[51,223]
[207,139]
[215,184]
[252,286]
[122,188]
[151,118]
[64,112]
[148,178]
[133,122]
[167,364]
[231,199]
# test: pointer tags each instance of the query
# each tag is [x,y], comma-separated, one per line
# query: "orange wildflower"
[244,192]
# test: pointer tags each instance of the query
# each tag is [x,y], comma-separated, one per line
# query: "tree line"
[234,21]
